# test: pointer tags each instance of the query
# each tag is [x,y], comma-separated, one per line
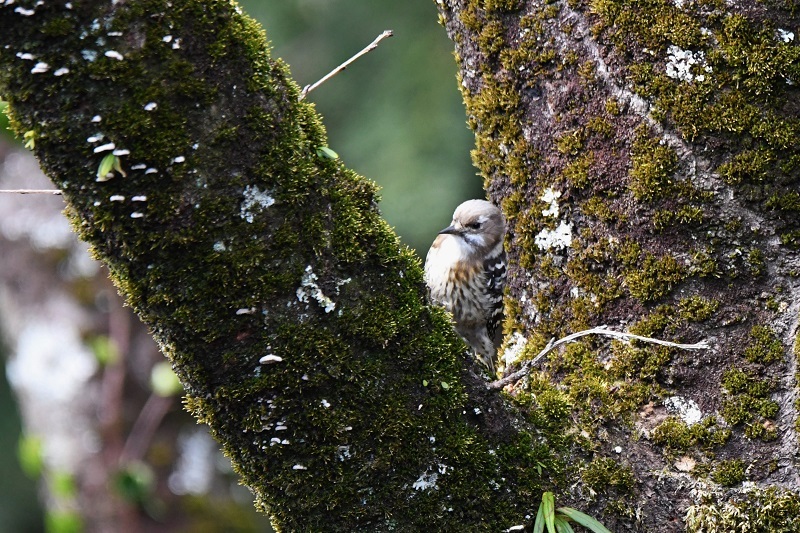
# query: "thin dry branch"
[600,330]
[371,46]
[31,191]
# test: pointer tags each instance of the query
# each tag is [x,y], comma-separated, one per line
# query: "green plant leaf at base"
[548,503]
[562,526]
[583,519]
[538,525]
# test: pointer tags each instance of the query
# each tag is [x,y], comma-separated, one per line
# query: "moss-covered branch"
[290,311]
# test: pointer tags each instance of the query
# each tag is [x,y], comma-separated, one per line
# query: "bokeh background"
[395,117]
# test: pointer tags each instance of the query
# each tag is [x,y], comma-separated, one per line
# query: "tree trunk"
[646,156]
[297,321]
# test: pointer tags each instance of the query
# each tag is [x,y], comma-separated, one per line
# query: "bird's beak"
[449,230]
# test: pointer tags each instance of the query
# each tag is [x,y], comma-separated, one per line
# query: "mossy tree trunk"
[645,196]
[647,156]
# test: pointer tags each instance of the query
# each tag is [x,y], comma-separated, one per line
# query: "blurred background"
[98,423]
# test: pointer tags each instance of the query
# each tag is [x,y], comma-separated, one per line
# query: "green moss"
[612,107]
[678,437]
[652,167]
[500,6]
[697,308]
[655,277]
[577,172]
[749,166]
[748,403]
[604,474]
[687,215]
[755,259]
[729,473]
[765,347]
[571,143]
[600,209]
[738,381]
[586,71]
[601,127]
[770,510]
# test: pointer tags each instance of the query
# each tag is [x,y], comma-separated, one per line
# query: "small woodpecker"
[465,271]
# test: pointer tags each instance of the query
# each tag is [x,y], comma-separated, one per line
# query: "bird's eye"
[474,225]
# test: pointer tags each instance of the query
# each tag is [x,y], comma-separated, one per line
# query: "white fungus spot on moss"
[559,238]
[121,151]
[62,71]
[550,197]
[104,148]
[150,106]
[26,56]
[116,198]
[269,359]
[140,198]
[137,214]
[680,63]
[113,54]
[685,408]
[299,467]
[426,481]
[310,290]
[40,68]
[254,198]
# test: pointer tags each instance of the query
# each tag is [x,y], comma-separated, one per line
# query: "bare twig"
[371,46]
[30,191]
[600,330]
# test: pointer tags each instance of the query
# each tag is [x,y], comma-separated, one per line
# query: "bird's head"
[479,224]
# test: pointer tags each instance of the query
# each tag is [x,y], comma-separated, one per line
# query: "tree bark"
[646,157]
[297,321]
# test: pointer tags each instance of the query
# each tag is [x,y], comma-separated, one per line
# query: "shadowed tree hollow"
[645,155]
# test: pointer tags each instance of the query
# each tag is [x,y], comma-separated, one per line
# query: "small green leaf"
[29,452]
[548,503]
[118,167]
[538,525]
[323,152]
[424,382]
[583,519]
[106,165]
[445,385]
[562,526]
[163,380]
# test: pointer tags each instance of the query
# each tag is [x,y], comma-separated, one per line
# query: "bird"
[465,271]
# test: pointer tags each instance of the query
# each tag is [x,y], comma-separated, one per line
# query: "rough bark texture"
[646,156]
[647,193]
[290,311]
